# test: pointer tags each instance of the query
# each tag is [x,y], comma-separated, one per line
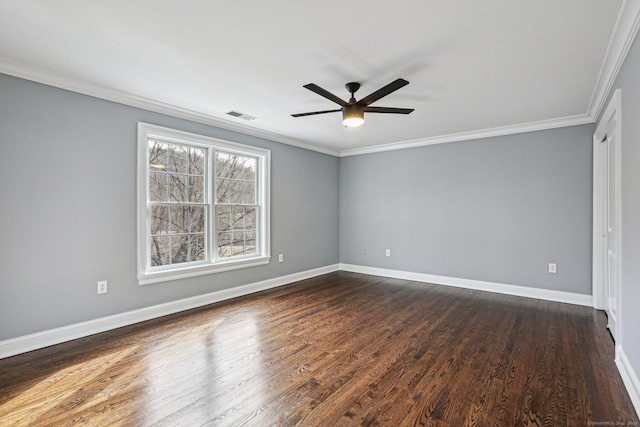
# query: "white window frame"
[148,274]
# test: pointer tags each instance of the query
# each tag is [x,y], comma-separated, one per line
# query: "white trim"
[629,378]
[23,71]
[623,36]
[201,270]
[30,342]
[500,288]
[477,134]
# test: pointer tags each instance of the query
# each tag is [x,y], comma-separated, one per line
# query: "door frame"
[612,112]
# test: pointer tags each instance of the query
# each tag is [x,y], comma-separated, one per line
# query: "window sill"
[200,270]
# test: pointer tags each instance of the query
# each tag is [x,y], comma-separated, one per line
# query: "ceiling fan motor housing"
[352,87]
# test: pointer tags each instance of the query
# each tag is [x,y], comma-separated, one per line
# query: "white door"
[611,273]
[606,216]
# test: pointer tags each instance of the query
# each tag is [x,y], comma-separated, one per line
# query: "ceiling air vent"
[240,115]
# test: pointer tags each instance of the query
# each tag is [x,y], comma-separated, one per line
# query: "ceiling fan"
[353,111]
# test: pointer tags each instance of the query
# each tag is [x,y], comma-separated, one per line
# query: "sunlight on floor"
[201,376]
[66,387]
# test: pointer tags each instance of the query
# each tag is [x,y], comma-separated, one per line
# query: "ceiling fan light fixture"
[352,116]
[353,111]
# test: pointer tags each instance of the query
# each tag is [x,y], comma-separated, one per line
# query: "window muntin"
[236,206]
[203,205]
[178,204]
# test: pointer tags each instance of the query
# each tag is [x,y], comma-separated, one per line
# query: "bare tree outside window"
[177,193]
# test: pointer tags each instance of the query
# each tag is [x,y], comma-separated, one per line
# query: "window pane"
[179,219]
[196,161]
[224,245]
[235,192]
[222,165]
[159,220]
[196,189]
[250,219]
[158,187]
[178,188]
[238,217]
[223,218]
[222,191]
[196,186]
[250,169]
[238,243]
[197,219]
[236,167]
[249,197]
[197,247]
[179,249]
[177,159]
[157,156]
[250,243]
[159,251]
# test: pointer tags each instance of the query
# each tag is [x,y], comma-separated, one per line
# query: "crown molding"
[23,71]
[477,134]
[624,33]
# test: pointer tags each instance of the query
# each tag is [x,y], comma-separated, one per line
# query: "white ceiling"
[473,66]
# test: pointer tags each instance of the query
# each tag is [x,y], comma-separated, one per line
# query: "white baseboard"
[25,343]
[49,337]
[629,377]
[628,374]
[43,339]
[500,288]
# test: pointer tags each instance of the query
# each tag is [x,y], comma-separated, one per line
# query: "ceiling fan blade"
[388,110]
[325,93]
[315,112]
[391,87]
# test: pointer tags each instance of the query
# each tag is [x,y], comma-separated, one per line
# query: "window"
[203,205]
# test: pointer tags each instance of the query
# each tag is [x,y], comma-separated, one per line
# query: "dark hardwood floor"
[337,350]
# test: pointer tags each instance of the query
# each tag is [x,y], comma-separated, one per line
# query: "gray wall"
[496,209]
[629,83]
[68,209]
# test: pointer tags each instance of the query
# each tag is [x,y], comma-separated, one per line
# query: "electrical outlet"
[553,268]
[388,252]
[281,258]
[102,287]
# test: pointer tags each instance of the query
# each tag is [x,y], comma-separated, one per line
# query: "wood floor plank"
[343,349]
